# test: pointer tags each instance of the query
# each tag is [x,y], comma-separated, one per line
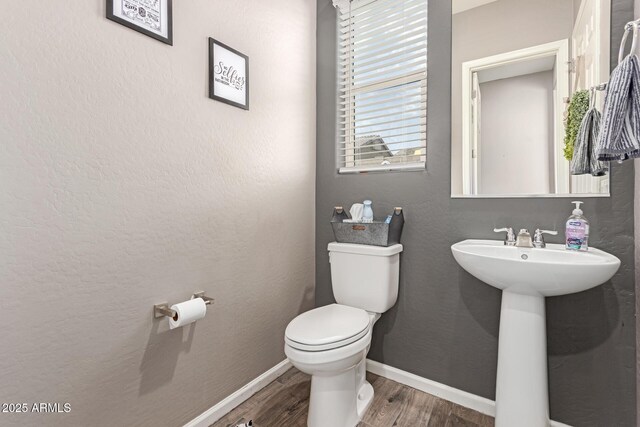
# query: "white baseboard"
[462,398]
[459,397]
[225,406]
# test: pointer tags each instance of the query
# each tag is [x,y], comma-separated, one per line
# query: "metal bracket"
[162,310]
[201,294]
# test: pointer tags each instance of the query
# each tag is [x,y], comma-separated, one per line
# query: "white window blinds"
[382,63]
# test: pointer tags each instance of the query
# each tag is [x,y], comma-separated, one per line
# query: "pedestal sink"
[526,276]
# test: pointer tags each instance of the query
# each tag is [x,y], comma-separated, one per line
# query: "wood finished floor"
[284,403]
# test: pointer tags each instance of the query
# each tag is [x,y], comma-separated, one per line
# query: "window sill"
[408,167]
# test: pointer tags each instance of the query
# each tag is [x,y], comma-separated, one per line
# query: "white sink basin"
[526,276]
[547,272]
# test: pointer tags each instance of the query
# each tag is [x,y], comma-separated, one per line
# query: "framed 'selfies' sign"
[150,17]
[228,75]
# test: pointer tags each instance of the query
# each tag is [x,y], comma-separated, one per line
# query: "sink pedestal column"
[522,395]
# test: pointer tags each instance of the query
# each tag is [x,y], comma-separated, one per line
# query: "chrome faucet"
[524,239]
[510,239]
[538,238]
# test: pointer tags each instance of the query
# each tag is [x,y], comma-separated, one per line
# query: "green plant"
[578,107]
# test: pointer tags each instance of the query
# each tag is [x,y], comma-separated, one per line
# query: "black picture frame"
[212,63]
[168,40]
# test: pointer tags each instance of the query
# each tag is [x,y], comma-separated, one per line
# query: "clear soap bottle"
[577,230]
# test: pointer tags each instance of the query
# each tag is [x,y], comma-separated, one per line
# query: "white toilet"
[331,343]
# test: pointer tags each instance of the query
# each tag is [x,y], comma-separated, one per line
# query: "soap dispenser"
[577,230]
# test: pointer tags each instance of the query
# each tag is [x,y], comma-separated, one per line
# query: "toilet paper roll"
[187,312]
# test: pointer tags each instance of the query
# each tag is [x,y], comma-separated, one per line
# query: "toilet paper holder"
[163,310]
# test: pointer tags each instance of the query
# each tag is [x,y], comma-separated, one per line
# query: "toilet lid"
[327,327]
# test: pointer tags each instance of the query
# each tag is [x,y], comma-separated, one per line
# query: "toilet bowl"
[331,343]
[340,393]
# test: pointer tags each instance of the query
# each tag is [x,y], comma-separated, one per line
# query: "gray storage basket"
[376,233]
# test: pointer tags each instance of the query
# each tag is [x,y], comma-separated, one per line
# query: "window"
[382,82]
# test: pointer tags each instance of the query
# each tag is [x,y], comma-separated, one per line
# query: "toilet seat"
[327,328]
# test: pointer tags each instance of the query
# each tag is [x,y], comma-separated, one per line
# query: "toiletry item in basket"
[356,212]
[577,230]
[367,211]
[339,214]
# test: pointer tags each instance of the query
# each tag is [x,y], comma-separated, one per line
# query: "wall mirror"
[515,65]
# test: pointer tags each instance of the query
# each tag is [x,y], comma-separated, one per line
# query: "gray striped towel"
[620,127]
[584,159]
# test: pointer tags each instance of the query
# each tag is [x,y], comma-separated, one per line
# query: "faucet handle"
[538,238]
[500,230]
[510,239]
[552,232]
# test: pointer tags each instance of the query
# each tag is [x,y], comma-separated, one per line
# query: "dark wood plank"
[298,420]
[440,414]
[418,409]
[371,378]
[287,376]
[389,400]
[250,407]
[474,417]
[282,408]
[298,383]
[454,420]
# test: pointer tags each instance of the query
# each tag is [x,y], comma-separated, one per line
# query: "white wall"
[516,127]
[123,185]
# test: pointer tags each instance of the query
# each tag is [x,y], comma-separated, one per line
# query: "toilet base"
[340,394]
[365,397]
[334,401]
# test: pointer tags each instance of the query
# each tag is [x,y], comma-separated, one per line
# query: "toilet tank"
[365,276]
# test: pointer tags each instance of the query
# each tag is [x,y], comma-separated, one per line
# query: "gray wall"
[123,185]
[445,324]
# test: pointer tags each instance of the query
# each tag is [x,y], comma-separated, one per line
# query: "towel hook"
[631,26]
[592,97]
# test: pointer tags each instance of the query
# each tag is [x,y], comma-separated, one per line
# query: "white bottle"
[367,211]
[577,230]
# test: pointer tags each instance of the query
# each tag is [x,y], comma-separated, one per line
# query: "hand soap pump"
[577,230]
